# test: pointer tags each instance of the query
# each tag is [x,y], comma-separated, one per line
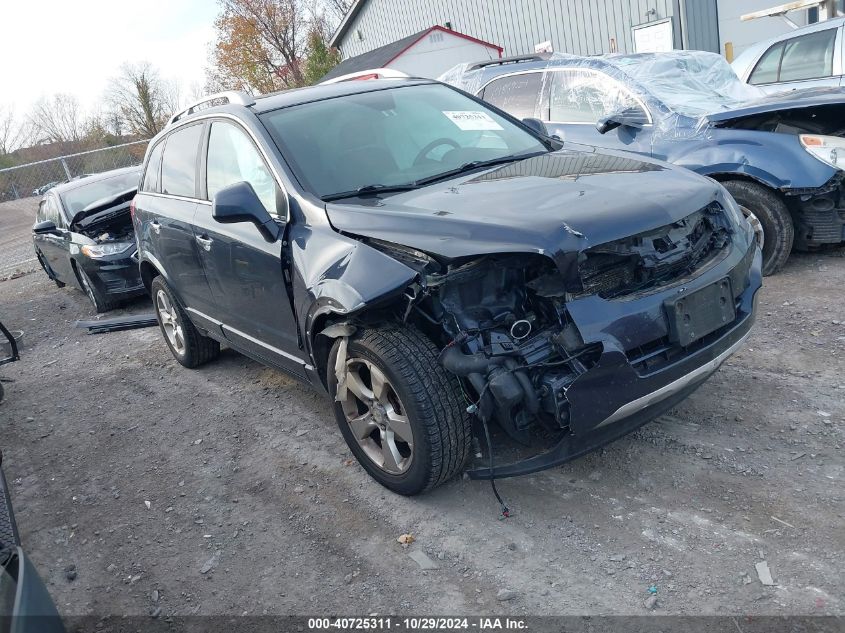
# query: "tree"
[321,58]
[57,119]
[339,8]
[142,100]
[13,133]
[260,45]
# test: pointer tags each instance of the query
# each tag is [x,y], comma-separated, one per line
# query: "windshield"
[391,137]
[691,83]
[77,199]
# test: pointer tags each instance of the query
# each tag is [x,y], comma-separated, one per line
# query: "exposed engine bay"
[111,225]
[503,322]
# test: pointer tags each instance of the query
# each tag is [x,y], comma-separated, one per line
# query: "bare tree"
[142,99]
[13,133]
[338,8]
[57,119]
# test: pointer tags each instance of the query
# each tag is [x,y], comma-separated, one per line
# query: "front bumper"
[640,374]
[118,276]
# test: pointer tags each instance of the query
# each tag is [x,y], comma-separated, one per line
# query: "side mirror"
[47,227]
[537,125]
[630,117]
[540,128]
[607,124]
[239,203]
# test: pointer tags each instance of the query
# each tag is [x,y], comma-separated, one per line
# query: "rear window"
[77,199]
[151,175]
[179,162]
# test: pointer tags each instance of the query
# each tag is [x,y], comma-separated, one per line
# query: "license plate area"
[696,314]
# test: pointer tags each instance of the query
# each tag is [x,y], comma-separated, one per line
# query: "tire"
[97,298]
[771,211]
[47,270]
[421,391]
[187,345]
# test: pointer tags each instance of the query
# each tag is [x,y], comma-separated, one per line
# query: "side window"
[767,68]
[232,158]
[517,95]
[151,175]
[808,57]
[585,96]
[179,162]
[41,215]
[49,210]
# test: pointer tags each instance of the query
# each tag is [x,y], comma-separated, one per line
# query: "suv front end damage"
[586,359]
[613,318]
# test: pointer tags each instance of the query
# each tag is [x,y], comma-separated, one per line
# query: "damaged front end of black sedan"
[584,316]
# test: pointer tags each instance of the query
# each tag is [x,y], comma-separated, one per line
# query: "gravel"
[113,421]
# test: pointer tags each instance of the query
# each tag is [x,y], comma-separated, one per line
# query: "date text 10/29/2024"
[435,624]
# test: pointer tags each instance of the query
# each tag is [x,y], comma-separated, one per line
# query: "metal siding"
[582,27]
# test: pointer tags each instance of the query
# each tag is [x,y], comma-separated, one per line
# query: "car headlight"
[828,149]
[95,251]
[734,212]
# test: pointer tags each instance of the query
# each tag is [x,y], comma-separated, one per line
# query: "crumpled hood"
[781,101]
[561,202]
[97,210]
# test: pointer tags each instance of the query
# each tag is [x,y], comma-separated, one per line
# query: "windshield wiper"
[475,164]
[367,189]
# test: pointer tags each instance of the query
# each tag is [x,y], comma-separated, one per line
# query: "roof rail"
[236,97]
[370,73]
[532,57]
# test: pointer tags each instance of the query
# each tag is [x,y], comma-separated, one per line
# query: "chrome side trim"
[205,316]
[673,387]
[275,350]
[252,339]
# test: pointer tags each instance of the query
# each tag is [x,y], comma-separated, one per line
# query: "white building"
[581,27]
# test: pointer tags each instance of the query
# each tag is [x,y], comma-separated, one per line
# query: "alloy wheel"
[170,322]
[377,418]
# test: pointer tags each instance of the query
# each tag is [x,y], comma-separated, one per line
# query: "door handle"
[205,242]
[155,226]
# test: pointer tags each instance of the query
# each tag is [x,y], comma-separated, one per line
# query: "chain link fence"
[33,179]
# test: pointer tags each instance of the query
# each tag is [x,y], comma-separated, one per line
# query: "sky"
[75,47]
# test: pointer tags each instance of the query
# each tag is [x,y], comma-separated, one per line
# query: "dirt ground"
[229,490]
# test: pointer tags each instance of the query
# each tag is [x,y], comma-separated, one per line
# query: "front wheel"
[101,303]
[399,410]
[185,341]
[772,216]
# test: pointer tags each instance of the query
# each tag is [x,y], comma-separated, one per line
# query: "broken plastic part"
[340,369]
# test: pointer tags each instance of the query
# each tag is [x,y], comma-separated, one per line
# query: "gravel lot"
[229,489]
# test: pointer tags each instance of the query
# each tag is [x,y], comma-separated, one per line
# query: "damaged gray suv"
[436,266]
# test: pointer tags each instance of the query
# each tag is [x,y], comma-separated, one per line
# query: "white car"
[809,57]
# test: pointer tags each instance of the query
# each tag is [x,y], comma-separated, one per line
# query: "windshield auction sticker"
[472,120]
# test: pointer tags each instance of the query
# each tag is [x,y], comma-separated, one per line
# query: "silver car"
[809,57]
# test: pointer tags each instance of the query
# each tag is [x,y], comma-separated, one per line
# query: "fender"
[337,274]
[775,160]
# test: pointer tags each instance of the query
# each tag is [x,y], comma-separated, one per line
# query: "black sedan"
[83,236]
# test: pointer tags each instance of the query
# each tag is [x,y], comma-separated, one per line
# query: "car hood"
[562,202]
[103,209]
[780,101]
